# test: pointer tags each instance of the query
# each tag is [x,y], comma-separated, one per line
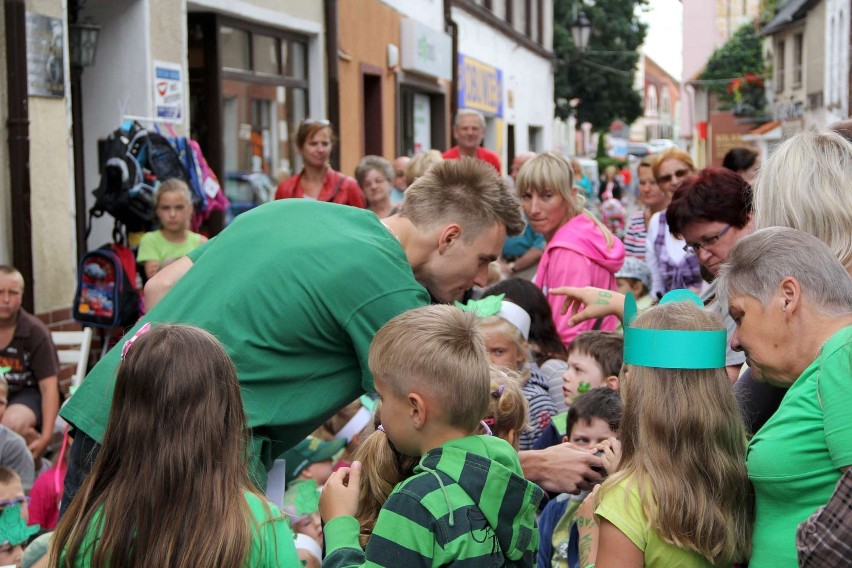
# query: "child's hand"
[340,494]
[611,448]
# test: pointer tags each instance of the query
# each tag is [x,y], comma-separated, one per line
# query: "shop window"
[266,54]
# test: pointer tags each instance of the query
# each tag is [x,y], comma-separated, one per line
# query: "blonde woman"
[580,250]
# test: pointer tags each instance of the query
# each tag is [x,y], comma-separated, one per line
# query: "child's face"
[583,374]
[587,434]
[11,555]
[10,492]
[173,211]
[310,525]
[630,285]
[503,350]
[319,472]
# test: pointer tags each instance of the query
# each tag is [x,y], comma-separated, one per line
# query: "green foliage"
[605,161]
[741,57]
[605,94]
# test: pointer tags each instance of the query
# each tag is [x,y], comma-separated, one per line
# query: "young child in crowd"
[507,410]
[681,495]
[14,531]
[546,347]
[170,485]
[173,239]
[593,420]
[301,505]
[594,360]
[431,373]
[613,216]
[312,459]
[635,278]
[506,327]
[14,452]
[351,423]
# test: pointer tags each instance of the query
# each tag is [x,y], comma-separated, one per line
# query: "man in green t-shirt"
[296,289]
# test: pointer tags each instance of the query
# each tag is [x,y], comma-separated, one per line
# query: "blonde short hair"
[439,351]
[672,154]
[469,192]
[421,163]
[549,170]
[804,184]
[173,185]
[508,410]
[14,272]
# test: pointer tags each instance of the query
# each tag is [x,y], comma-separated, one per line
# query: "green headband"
[672,349]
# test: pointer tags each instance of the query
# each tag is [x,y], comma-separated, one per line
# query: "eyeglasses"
[18,501]
[678,173]
[693,248]
[319,121]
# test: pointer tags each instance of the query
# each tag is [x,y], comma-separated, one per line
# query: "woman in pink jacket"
[580,250]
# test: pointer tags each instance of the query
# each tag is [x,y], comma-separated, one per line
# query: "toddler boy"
[593,418]
[14,531]
[312,459]
[467,500]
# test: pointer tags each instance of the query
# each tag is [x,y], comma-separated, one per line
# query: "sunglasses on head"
[668,177]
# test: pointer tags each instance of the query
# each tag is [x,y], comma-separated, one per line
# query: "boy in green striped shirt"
[467,503]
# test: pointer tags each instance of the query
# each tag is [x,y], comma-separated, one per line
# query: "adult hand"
[589,303]
[38,446]
[563,468]
[340,494]
[611,448]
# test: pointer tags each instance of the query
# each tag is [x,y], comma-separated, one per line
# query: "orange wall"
[366,27]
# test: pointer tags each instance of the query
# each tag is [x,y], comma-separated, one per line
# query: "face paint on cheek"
[583,387]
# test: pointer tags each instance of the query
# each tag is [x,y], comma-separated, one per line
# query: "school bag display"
[106,292]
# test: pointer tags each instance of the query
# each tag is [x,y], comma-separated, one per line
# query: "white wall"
[527,74]
[836,90]
[427,12]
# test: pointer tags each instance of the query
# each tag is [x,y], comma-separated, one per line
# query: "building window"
[779,66]
[651,102]
[665,103]
[798,48]
[536,138]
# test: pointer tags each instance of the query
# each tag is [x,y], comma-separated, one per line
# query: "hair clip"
[126,347]
[380,428]
[499,392]
[484,423]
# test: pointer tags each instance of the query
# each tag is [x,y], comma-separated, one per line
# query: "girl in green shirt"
[170,485]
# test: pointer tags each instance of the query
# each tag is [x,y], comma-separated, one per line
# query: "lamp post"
[581,27]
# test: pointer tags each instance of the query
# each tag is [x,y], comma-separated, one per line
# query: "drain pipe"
[333,76]
[451,27]
[18,124]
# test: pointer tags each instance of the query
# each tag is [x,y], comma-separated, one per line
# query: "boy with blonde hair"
[467,500]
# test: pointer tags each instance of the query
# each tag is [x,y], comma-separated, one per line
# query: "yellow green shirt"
[154,246]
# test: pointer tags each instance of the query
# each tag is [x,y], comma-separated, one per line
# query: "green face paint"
[583,387]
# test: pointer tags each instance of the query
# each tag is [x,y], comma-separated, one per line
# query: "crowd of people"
[430,364]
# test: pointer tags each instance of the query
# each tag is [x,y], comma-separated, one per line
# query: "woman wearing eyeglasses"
[712,211]
[671,266]
[318,180]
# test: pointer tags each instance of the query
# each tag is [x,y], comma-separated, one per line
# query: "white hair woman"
[792,302]
[374,175]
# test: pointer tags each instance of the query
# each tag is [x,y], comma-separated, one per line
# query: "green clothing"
[622,507]
[794,461]
[466,504]
[154,246]
[272,543]
[295,290]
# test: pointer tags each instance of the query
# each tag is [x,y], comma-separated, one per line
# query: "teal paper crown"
[669,348]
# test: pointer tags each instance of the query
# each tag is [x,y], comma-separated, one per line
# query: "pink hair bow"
[139,333]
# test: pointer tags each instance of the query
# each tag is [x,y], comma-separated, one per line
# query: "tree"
[735,73]
[603,81]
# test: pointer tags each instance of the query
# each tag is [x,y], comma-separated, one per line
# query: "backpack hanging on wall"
[106,288]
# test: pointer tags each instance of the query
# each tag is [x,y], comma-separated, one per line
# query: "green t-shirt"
[295,290]
[794,461]
[272,543]
[154,246]
[622,507]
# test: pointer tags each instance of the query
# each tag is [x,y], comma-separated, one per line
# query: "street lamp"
[580,29]
[82,43]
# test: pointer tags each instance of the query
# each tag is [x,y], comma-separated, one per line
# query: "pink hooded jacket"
[577,255]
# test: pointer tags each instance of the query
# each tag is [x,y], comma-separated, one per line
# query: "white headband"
[517,316]
[355,425]
[309,545]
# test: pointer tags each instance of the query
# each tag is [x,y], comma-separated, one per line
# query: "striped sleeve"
[634,235]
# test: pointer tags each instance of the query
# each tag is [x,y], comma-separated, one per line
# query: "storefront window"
[266,54]
[235,48]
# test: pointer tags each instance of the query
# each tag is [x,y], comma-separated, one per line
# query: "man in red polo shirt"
[469,130]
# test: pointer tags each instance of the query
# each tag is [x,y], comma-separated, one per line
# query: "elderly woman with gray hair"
[792,302]
[375,176]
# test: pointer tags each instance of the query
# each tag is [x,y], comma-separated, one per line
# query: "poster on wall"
[45,65]
[168,91]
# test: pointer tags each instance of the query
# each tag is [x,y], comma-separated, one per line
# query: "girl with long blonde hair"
[580,250]
[681,495]
[170,485]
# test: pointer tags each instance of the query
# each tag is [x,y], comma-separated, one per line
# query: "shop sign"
[45,66]
[168,91]
[426,50]
[480,86]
